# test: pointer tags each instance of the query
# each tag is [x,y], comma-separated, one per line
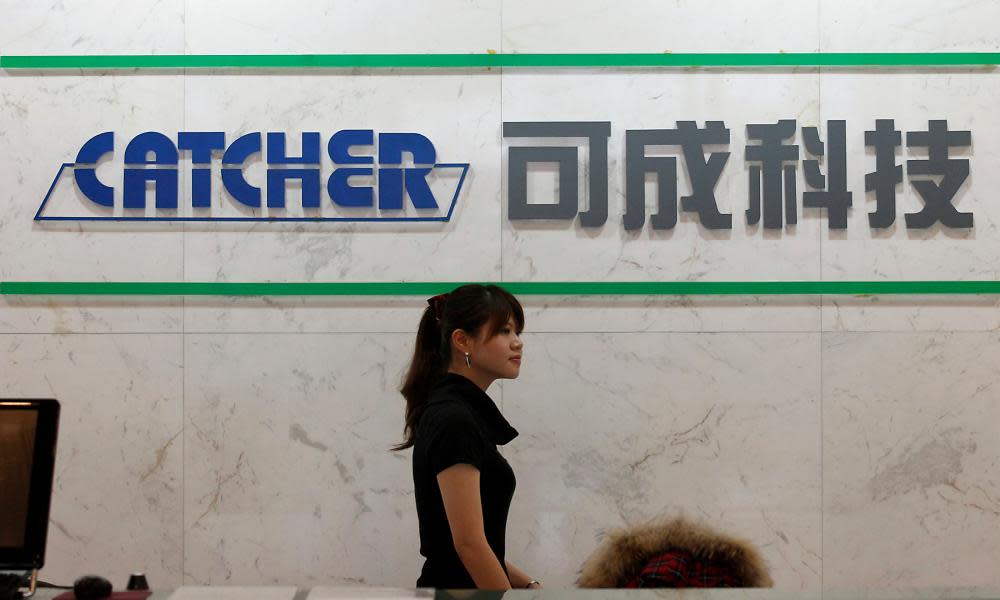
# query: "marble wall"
[244,441]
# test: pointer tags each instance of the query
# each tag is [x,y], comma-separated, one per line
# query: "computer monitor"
[28,429]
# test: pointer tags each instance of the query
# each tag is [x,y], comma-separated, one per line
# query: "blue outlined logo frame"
[269,219]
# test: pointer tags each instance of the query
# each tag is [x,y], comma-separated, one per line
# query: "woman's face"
[498,357]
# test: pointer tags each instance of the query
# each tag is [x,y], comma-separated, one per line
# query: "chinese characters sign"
[772,155]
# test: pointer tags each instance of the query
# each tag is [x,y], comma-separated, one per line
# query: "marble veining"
[239,441]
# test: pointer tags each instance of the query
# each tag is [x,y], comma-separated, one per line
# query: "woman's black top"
[460,424]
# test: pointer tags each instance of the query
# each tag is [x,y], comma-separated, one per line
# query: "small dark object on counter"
[137,581]
[91,587]
[10,585]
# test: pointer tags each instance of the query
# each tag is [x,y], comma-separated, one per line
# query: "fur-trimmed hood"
[625,552]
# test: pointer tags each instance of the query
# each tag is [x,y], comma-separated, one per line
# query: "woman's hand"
[520,579]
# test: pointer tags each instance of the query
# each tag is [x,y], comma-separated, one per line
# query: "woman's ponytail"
[428,365]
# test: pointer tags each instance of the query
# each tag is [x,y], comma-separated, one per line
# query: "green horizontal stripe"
[564,288]
[424,61]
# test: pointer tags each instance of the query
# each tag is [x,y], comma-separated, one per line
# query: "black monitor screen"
[27,459]
[17,447]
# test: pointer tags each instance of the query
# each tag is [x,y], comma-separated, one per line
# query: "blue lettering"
[232,178]
[86,179]
[201,144]
[152,157]
[341,192]
[276,178]
[391,180]
[341,143]
[164,181]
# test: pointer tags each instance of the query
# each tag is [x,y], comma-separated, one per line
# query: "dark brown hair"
[469,308]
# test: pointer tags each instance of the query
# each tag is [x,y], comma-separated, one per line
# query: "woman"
[466,340]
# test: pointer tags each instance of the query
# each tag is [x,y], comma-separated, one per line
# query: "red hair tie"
[437,303]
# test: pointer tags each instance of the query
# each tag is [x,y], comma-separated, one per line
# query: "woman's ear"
[460,340]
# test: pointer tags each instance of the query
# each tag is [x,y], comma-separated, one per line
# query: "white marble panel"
[910,446]
[559,251]
[401,314]
[619,428]
[117,495]
[289,476]
[906,26]
[46,119]
[458,113]
[862,253]
[671,313]
[80,27]
[304,314]
[343,27]
[911,313]
[91,314]
[653,26]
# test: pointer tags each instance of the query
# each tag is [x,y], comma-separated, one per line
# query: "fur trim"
[625,552]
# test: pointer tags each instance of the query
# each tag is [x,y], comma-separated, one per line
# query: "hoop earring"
[468,361]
